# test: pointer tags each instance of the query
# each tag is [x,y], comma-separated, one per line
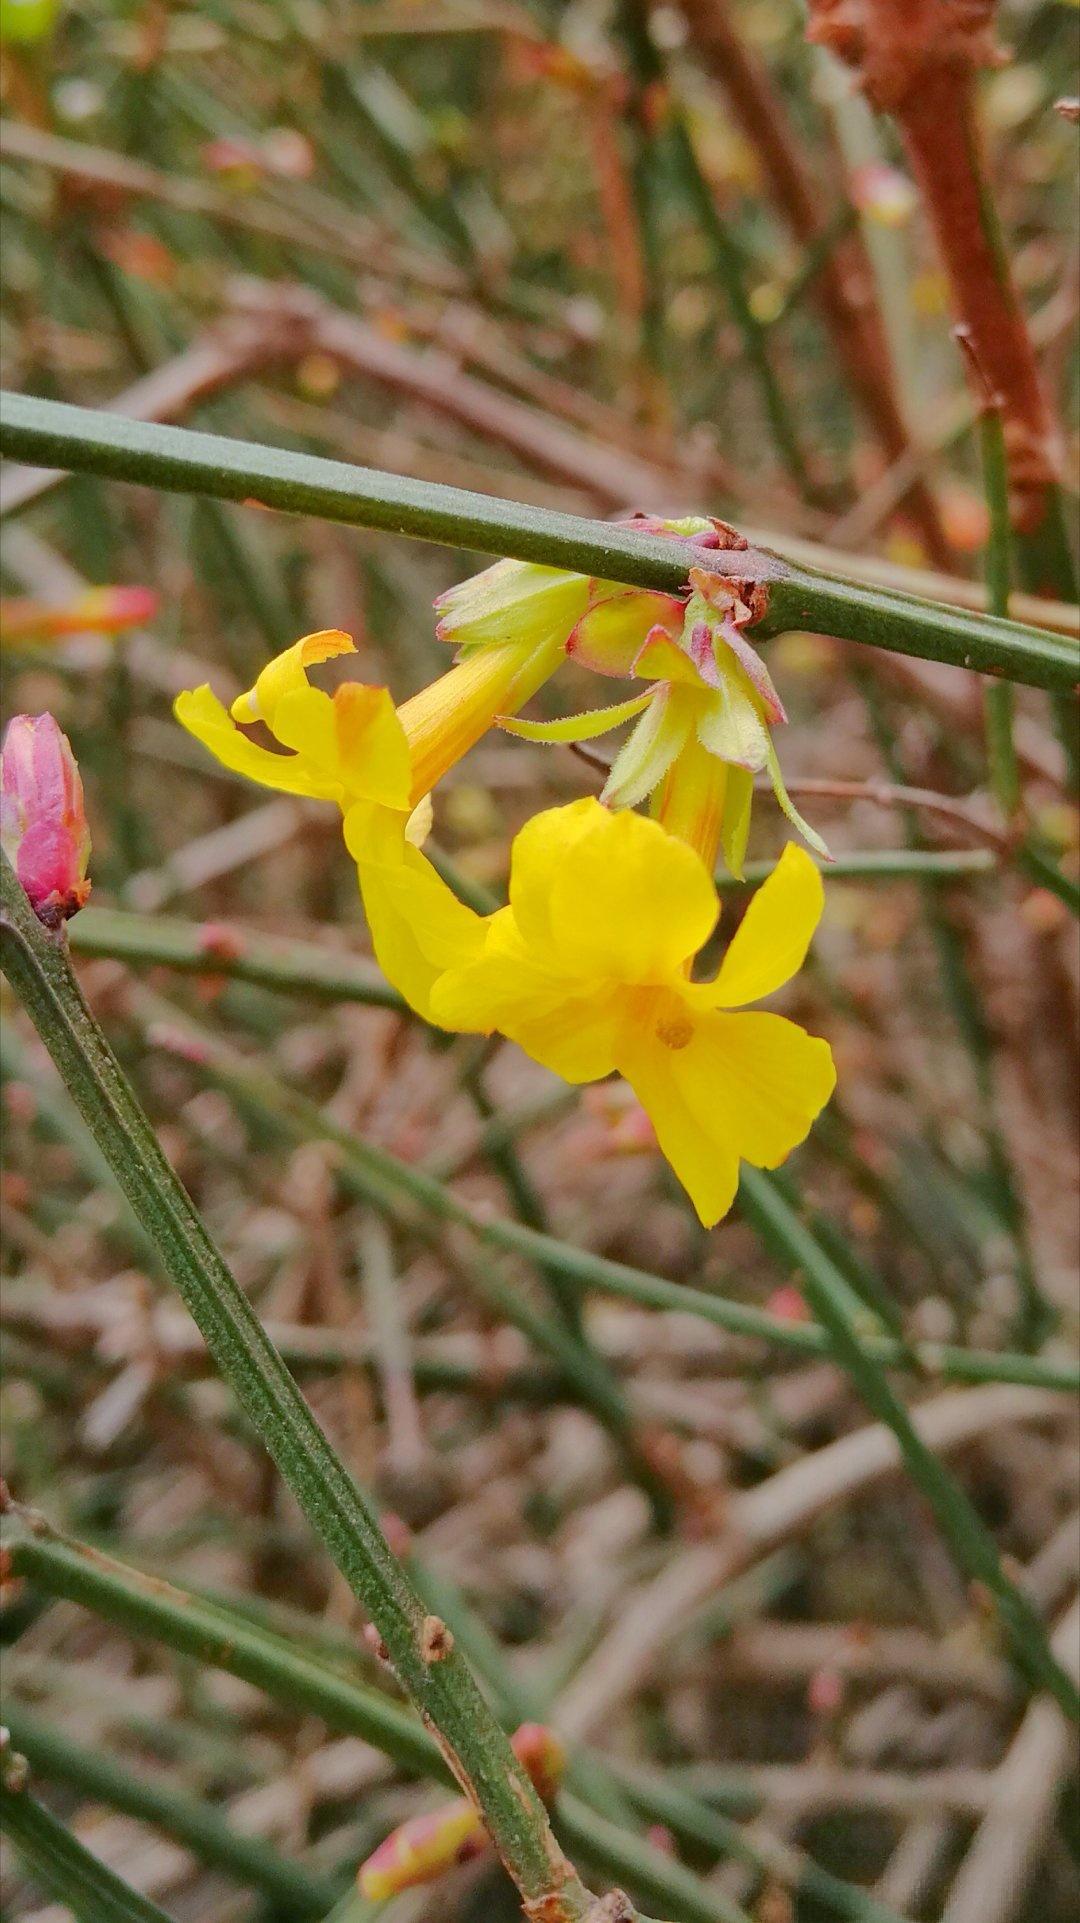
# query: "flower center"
[674,1027]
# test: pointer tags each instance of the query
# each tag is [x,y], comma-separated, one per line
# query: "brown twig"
[844,284]
[918,62]
[758,1520]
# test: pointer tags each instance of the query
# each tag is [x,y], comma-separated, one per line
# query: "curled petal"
[203,715]
[287,672]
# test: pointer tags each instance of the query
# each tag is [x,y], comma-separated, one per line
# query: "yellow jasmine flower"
[703,729]
[377,764]
[418,926]
[588,970]
[344,747]
[354,745]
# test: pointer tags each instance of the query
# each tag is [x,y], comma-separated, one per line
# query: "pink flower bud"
[43,827]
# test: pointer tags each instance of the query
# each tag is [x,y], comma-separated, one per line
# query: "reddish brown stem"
[918,61]
[844,284]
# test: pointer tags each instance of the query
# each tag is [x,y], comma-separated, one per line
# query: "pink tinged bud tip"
[43,827]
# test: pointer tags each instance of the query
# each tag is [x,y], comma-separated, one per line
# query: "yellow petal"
[609,897]
[372,751]
[756,1083]
[504,989]
[203,715]
[354,740]
[770,945]
[575,1039]
[286,672]
[743,1087]
[418,926]
[709,1172]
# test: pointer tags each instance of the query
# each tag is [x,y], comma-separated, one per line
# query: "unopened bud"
[101,610]
[43,827]
[425,1847]
[542,1755]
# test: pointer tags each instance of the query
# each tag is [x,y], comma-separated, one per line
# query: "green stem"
[974,1547]
[191,1821]
[62,1866]
[439,1683]
[192,948]
[174,458]
[144,1606]
[394,1186]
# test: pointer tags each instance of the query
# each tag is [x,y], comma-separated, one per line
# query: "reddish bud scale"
[43,827]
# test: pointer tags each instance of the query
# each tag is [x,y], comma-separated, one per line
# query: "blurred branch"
[960,1522]
[997,1872]
[61,1865]
[401,1188]
[176,459]
[758,1520]
[144,1606]
[191,1821]
[919,64]
[353,241]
